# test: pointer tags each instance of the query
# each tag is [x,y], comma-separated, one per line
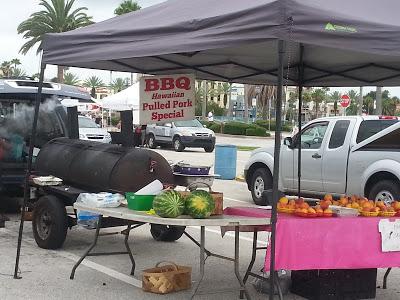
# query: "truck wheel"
[209,149]
[178,146]
[151,141]
[386,191]
[50,222]
[164,233]
[260,181]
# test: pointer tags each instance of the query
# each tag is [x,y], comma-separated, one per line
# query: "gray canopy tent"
[275,42]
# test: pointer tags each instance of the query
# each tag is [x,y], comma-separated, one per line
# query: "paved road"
[245,141]
[197,156]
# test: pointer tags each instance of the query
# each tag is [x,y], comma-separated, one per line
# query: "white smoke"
[20,120]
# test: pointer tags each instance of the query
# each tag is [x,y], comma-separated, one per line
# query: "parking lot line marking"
[92,265]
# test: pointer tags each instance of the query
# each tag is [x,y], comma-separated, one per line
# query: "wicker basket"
[167,278]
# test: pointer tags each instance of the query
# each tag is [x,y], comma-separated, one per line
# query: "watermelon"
[169,204]
[199,204]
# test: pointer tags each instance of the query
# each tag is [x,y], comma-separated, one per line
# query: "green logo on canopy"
[341,28]
[329,26]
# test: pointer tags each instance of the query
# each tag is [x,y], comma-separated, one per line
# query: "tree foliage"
[93,82]
[71,79]
[55,17]
[126,7]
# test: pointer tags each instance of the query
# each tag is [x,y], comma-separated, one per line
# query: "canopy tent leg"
[301,78]
[29,166]
[275,192]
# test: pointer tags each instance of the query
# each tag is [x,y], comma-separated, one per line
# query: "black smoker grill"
[97,167]
[91,167]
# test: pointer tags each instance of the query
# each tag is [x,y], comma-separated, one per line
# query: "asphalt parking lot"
[45,274]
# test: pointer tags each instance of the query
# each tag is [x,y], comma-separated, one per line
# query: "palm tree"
[335,97]
[6,68]
[57,16]
[93,82]
[71,79]
[353,107]
[118,85]
[224,89]
[249,93]
[368,106]
[318,96]
[126,7]
[16,62]
[389,106]
[267,97]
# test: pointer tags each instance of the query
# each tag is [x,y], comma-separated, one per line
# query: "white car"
[89,130]
[340,155]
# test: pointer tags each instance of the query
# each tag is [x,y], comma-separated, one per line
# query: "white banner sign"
[167,98]
[390,232]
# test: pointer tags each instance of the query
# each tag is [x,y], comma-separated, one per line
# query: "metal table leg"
[251,264]
[385,277]
[126,233]
[236,263]
[96,236]
[202,259]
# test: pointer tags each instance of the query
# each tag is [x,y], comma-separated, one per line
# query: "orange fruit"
[311,210]
[324,204]
[304,205]
[284,200]
[328,197]
[366,209]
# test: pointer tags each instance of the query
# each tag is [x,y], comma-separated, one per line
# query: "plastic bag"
[100,200]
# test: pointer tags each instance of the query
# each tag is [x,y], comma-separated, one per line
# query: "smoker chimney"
[72,122]
[127,128]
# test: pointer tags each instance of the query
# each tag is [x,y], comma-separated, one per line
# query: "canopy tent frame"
[276,31]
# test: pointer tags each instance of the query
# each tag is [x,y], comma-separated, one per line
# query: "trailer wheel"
[50,222]
[164,233]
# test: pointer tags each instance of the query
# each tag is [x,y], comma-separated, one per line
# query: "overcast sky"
[13,12]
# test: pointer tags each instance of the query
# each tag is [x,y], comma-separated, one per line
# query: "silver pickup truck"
[340,155]
[181,134]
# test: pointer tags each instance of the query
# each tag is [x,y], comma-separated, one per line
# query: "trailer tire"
[164,233]
[50,222]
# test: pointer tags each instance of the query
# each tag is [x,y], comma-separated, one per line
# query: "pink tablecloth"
[325,243]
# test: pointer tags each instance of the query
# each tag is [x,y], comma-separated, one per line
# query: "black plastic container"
[334,284]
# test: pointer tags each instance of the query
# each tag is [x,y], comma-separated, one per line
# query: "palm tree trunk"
[60,74]
[378,100]
[204,103]
[246,102]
